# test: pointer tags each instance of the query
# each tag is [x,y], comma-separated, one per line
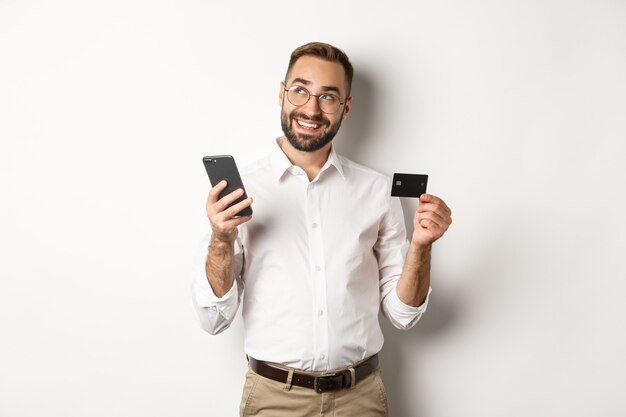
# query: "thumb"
[426,198]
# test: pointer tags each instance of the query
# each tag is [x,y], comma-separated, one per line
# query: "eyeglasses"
[299,96]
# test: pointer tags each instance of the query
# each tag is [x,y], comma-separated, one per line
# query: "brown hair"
[326,52]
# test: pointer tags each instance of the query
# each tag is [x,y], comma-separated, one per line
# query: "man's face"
[307,127]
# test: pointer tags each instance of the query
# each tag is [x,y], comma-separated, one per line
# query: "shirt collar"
[281,164]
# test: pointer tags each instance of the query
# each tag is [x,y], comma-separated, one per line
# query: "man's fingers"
[221,217]
[215,192]
[217,206]
[435,229]
[227,227]
[236,221]
[426,199]
[225,201]
[442,211]
[231,211]
[224,222]
[435,218]
[433,212]
[432,218]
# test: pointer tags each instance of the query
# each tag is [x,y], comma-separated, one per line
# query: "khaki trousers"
[263,397]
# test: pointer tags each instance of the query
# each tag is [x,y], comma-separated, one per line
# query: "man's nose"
[312,106]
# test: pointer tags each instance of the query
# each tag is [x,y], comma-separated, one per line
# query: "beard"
[303,142]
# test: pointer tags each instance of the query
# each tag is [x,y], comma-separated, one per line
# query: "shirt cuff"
[205,297]
[405,314]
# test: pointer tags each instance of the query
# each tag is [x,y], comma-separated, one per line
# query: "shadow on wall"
[355,132]
[401,348]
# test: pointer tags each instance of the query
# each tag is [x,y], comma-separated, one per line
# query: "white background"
[515,109]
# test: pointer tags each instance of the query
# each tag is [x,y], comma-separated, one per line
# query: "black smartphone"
[223,167]
[408,185]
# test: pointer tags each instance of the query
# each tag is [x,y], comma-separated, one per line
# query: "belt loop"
[352,377]
[289,380]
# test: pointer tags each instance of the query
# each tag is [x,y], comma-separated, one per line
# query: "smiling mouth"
[308,125]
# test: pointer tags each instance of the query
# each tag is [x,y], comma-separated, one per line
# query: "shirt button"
[314,225]
[214,308]
[322,356]
[317,268]
[320,312]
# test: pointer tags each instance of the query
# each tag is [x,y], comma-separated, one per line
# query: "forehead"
[319,72]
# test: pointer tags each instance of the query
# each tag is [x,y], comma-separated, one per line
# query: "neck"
[310,162]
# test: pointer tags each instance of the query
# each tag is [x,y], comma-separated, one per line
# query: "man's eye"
[299,90]
[327,97]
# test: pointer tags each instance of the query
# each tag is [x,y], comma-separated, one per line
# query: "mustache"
[317,119]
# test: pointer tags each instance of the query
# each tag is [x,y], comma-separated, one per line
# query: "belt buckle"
[328,382]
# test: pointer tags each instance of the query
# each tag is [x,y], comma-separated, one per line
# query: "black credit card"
[408,185]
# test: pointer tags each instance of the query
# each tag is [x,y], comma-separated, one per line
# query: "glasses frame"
[317,96]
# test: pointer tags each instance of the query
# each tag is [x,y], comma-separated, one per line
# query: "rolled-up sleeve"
[215,313]
[391,248]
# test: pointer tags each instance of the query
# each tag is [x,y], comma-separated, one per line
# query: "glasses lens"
[298,95]
[329,103]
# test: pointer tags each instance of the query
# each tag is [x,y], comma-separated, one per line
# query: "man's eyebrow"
[324,87]
[301,81]
[331,88]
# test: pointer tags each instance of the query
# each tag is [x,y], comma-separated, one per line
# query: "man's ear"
[346,108]
[281,94]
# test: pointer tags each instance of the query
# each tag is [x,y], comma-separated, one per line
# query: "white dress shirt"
[317,260]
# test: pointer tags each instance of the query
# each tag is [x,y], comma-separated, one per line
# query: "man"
[324,250]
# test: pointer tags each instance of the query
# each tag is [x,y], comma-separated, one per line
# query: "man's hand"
[432,219]
[223,223]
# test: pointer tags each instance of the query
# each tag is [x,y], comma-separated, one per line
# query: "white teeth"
[309,125]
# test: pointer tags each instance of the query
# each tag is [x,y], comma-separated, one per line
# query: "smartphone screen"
[223,167]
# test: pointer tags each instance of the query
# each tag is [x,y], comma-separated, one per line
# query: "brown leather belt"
[324,383]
